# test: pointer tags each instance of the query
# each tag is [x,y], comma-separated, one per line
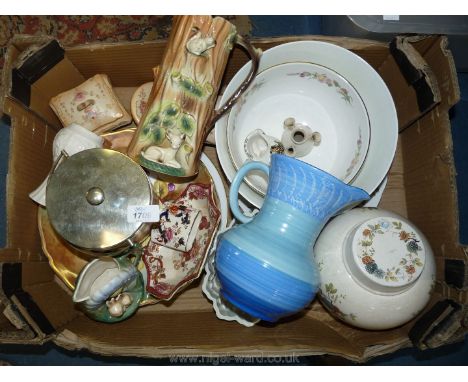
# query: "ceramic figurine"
[118,305]
[265,266]
[180,111]
[259,146]
[298,139]
[199,44]
[377,269]
[166,155]
[109,289]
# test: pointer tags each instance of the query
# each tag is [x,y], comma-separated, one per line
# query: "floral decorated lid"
[387,254]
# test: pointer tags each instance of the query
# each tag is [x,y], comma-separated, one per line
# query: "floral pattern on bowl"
[357,155]
[331,298]
[331,134]
[409,266]
[357,297]
[169,270]
[324,79]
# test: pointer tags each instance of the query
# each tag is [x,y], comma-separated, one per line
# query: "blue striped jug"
[266,266]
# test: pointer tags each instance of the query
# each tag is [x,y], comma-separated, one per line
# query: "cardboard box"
[420,74]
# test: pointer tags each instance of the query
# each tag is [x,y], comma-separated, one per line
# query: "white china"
[374,201]
[361,77]
[314,114]
[377,269]
[219,188]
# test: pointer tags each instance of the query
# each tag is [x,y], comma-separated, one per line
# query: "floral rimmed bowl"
[366,82]
[303,110]
[377,269]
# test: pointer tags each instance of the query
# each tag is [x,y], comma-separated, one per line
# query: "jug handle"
[235,185]
[255,54]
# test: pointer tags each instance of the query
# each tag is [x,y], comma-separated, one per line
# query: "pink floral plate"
[140,100]
[169,270]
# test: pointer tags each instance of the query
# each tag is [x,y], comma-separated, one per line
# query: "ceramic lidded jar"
[377,269]
[89,197]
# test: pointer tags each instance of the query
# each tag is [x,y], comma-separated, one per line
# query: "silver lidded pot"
[88,197]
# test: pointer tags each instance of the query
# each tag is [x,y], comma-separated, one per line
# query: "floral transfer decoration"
[324,79]
[168,269]
[243,99]
[331,298]
[409,263]
[357,155]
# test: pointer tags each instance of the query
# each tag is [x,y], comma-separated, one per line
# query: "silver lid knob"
[95,196]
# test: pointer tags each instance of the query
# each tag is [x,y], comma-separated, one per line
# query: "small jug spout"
[310,189]
[355,196]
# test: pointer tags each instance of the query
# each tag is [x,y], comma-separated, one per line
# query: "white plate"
[219,188]
[375,199]
[367,83]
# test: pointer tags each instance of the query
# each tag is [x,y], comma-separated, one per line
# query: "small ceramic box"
[92,104]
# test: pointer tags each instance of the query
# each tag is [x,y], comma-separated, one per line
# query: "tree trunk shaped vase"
[171,133]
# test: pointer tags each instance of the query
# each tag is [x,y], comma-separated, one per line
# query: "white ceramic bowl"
[361,77]
[377,269]
[320,101]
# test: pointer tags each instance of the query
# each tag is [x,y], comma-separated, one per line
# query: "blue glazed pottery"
[266,265]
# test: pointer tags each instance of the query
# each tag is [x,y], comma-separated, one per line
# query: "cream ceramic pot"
[377,269]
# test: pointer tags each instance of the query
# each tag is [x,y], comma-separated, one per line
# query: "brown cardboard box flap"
[436,53]
[439,325]
[26,170]
[417,73]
